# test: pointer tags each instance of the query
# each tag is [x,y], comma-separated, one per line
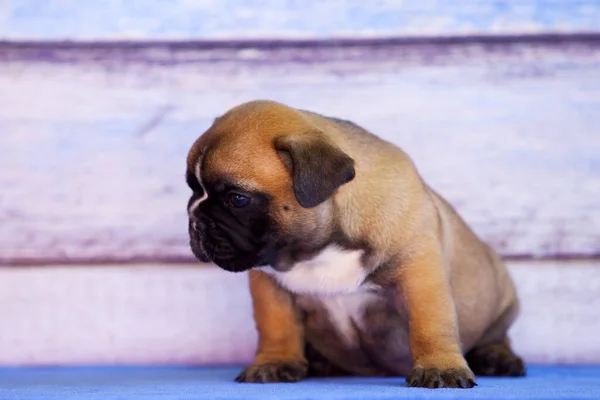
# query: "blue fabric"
[217,383]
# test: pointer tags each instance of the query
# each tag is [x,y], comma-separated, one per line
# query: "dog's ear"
[318,167]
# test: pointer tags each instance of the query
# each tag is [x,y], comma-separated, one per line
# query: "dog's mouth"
[217,249]
[221,259]
[196,244]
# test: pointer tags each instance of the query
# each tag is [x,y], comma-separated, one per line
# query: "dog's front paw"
[274,372]
[434,378]
[495,359]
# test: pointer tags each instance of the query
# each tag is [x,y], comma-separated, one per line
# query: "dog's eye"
[237,200]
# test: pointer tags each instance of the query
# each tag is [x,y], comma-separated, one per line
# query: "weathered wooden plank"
[308,19]
[153,314]
[93,142]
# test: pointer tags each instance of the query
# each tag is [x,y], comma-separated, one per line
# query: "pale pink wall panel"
[93,141]
[289,19]
[185,315]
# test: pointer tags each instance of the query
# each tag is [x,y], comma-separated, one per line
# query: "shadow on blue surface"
[108,383]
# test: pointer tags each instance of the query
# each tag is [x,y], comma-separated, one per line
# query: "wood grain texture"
[281,19]
[93,142]
[179,314]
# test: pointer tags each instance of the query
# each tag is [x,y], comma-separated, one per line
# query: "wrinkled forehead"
[250,165]
[239,146]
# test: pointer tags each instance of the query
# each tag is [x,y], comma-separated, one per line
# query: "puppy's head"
[262,178]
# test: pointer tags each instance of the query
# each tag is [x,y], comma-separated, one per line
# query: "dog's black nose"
[200,222]
[208,223]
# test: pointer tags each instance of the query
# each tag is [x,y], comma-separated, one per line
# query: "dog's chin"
[232,266]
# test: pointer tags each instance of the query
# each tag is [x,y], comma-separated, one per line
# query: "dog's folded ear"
[318,166]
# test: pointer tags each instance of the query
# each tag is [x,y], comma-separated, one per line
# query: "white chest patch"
[346,312]
[332,271]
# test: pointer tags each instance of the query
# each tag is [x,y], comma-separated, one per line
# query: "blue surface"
[217,383]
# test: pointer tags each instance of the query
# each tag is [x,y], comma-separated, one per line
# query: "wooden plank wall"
[179,314]
[498,102]
[143,20]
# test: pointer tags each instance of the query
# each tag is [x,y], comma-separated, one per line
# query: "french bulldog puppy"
[356,266]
